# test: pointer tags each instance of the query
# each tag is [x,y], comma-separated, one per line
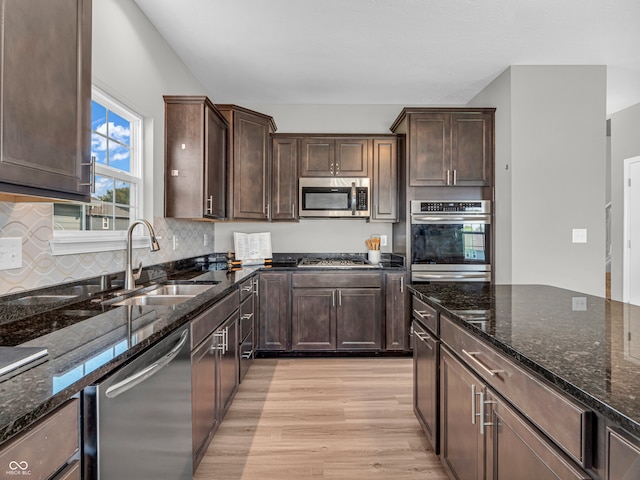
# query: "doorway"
[631,255]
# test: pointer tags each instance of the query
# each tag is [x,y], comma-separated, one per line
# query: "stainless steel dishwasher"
[138,421]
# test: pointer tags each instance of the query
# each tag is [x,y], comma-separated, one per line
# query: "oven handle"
[434,276]
[415,219]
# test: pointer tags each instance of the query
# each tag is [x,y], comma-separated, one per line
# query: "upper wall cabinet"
[45,103]
[284,178]
[448,146]
[196,157]
[250,153]
[324,156]
[384,196]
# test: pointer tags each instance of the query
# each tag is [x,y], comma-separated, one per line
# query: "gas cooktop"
[353,262]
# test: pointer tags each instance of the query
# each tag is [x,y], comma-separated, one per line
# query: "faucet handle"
[136,275]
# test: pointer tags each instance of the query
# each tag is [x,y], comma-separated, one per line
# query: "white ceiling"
[409,52]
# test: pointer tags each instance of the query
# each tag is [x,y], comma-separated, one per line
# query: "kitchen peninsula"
[566,362]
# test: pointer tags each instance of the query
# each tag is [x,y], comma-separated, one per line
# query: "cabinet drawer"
[425,314]
[71,472]
[246,289]
[246,318]
[206,323]
[46,446]
[562,419]
[336,280]
[623,456]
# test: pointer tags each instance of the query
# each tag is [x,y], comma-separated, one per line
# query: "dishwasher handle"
[148,371]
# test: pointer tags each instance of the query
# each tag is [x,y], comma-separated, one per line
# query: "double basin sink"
[168,293]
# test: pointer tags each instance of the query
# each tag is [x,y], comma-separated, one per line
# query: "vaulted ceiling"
[410,52]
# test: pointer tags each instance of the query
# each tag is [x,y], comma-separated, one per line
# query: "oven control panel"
[476,206]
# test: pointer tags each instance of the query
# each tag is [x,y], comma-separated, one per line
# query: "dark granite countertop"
[581,343]
[87,339]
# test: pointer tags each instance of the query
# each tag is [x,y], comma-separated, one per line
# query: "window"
[116,133]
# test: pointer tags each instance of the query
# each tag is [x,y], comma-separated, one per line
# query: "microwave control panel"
[478,206]
[361,199]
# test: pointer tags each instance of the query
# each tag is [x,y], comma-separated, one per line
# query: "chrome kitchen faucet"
[130,277]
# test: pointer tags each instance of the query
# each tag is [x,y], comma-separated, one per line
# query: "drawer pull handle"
[472,356]
[247,316]
[422,313]
[425,337]
[247,355]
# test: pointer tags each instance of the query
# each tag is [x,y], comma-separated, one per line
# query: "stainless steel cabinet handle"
[248,354]
[220,337]
[401,284]
[92,174]
[481,414]
[255,287]
[210,204]
[425,338]
[339,298]
[472,356]
[141,375]
[248,288]
[455,177]
[247,316]
[422,313]
[353,198]
[448,177]
[473,404]
[226,340]
[333,298]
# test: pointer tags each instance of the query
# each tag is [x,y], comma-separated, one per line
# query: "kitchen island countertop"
[587,346]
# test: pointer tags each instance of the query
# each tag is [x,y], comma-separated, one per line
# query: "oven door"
[451,249]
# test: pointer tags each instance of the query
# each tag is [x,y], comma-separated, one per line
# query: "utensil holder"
[374,256]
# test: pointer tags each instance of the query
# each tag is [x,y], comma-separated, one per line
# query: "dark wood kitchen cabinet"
[284,179]
[45,104]
[384,194]
[396,328]
[274,318]
[228,365]
[336,312]
[623,455]
[448,146]
[331,156]
[250,153]
[196,157]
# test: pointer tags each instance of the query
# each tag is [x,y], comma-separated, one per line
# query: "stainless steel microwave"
[334,197]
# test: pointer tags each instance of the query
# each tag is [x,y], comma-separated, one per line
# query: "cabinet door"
[284,179]
[274,318]
[215,165]
[623,456]
[317,157]
[396,312]
[313,319]
[425,383]
[472,149]
[429,140]
[359,318]
[183,136]
[203,395]
[250,167]
[462,449]
[227,336]
[517,450]
[385,180]
[45,109]
[352,157]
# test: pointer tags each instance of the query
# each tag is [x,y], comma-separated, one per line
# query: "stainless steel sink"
[167,294]
[179,289]
[33,300]
[154,300]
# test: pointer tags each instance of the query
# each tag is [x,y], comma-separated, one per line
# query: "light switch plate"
[10,253]
[579,235]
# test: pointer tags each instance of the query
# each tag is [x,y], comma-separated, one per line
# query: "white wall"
[557,161]
[498,95]
[625,143]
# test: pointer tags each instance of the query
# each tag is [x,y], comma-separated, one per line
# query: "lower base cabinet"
[274,316]
[483,437]
[425,382]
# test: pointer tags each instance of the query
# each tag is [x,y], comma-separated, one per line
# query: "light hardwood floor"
[322,418]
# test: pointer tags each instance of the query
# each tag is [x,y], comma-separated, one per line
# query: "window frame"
[65,242]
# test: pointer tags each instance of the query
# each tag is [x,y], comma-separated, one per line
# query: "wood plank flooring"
[322,418]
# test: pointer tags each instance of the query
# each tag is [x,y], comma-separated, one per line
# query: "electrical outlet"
[383,240]
[204,241]
[175,243]
[10,253]
[579,235]
[579,304]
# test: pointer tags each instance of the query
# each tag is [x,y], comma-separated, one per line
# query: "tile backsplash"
[33,223]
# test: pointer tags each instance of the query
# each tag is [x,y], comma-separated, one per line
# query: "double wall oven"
[450,241]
